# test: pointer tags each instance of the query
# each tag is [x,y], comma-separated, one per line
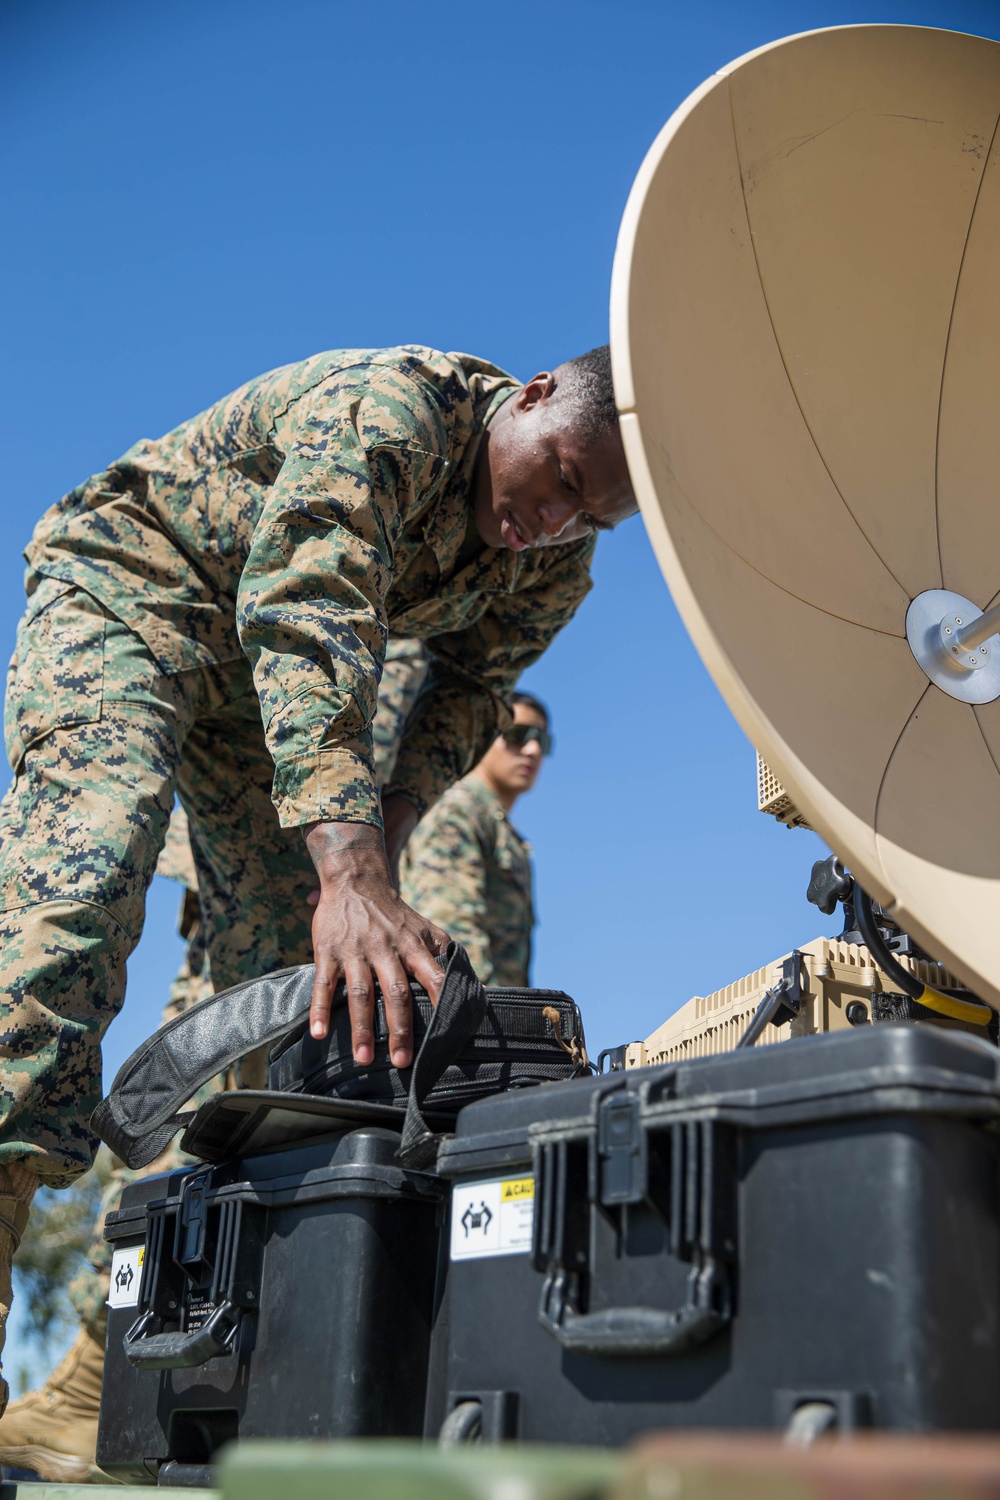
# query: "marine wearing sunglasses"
[467,868]
[519,735]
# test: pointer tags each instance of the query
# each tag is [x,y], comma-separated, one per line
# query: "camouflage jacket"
[301,519]
[403,674]
[468,869]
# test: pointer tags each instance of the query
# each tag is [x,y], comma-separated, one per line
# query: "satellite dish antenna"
[805,333]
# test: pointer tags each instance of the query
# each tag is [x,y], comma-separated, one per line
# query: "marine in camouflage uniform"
[53,1431]
[209,617]
[88,1290]
[466,867]
[405,668]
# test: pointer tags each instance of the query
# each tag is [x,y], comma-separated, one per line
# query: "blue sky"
[197,192]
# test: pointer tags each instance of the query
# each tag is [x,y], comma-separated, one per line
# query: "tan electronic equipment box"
[840,986]
[773,799]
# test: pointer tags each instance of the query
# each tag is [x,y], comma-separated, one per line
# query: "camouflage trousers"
[405,667]
[100,740]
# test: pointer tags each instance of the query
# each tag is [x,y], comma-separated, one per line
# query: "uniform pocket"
[56,677]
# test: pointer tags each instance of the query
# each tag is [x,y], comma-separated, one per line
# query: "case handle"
[182,1351]
[637,1332]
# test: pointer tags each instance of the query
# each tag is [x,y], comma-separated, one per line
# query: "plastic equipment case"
[282,1294]
[729,1241]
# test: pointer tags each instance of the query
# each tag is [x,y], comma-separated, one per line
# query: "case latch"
[201,1275]
[621,1150]
[191,1221]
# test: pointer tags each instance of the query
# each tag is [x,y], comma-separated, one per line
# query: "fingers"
[417,957]
[361,938]
[395,989]
[361,1005]
[436,938]
[434,941]
[321,1003]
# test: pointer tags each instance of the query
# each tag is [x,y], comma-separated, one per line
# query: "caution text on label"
[518,1187]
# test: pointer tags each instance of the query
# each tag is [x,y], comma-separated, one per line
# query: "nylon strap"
[457,1017]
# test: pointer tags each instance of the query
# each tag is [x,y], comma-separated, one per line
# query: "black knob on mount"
[829,884]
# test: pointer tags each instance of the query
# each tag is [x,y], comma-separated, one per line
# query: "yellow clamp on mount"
[959,1010]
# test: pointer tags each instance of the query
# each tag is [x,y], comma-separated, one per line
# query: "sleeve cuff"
[326,786]
[396,789]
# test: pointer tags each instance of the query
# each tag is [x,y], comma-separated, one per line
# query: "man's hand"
[361,928]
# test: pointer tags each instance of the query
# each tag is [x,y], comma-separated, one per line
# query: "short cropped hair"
[586,380]
[530,701]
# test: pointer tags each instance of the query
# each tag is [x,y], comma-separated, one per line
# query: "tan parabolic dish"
[805,330]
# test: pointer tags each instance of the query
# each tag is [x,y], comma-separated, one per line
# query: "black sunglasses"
[519,735]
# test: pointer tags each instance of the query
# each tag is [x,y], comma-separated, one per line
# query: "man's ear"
[538,388]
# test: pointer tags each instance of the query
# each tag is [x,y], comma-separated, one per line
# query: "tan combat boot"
[53,1432]
[17,1188]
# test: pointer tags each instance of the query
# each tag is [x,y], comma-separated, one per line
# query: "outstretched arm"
[363,927]
[361,454]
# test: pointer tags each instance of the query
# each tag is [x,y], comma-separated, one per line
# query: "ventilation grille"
[836,976]
[772,797]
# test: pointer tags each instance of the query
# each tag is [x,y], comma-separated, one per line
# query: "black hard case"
[327,1253]
[718,1242]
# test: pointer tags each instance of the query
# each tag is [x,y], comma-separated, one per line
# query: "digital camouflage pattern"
[297,521]
[88,1291]
[303,518]
[176,862]
[467,868]
[100,741]
[405,667]
[402,678]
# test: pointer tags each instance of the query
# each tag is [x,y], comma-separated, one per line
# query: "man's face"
[513,770]
[541,482]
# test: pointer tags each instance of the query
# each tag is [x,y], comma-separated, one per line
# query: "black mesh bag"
[475,1042]
[525,1036]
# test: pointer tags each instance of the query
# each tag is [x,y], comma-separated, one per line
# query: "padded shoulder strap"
[142,1111]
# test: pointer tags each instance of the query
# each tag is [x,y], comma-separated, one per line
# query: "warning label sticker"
[492,1217]
[126,1274]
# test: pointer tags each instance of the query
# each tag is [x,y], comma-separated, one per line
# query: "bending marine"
[208,617]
